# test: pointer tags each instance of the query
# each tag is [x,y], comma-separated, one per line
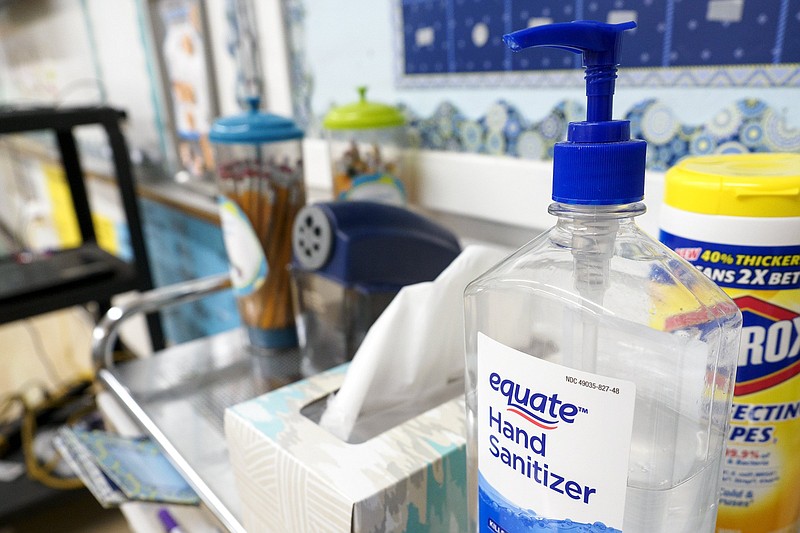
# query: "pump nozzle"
[600,45]
[599,164]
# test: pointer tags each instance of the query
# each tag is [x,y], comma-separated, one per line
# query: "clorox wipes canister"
[737,219]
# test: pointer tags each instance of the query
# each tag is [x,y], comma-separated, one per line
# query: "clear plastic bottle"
[600,365]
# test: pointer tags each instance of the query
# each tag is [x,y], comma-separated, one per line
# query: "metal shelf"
[179,396]
[84,274]
[122,277]
[62,279]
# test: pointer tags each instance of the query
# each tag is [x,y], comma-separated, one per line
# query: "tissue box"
[293,476]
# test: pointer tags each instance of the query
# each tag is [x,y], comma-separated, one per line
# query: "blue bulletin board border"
[456,43]
[719,76]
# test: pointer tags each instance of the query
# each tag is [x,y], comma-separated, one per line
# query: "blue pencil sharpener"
[349,261]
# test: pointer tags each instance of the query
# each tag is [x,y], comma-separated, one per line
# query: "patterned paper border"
[748,125]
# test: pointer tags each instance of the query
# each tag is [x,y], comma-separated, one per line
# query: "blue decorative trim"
[451,49]
[669,17]
[780,35]
[786,75]
[748,125]
[678,36]
[508,27]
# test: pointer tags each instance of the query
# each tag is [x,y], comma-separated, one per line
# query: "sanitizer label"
[762,464]
[553,444]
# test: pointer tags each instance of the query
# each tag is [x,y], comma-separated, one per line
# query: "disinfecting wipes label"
[741,267]
[553,444]
[762,465]
[245,254]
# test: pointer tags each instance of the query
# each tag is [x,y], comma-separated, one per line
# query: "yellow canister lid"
[747,185]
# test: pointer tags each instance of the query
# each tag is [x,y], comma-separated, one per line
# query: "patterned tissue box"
[293,476]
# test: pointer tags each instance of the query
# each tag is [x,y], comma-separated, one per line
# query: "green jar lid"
[363,115]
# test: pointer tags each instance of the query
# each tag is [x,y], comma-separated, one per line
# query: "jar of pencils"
[366,141]
[260,179]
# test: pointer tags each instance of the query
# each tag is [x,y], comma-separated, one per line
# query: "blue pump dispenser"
[599,164]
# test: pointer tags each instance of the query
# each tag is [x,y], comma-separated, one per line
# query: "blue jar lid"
[253,127]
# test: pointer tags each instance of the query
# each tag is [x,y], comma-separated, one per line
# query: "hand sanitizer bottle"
[600,365]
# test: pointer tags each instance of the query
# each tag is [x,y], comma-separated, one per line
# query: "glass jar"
[260,179]
[366,142]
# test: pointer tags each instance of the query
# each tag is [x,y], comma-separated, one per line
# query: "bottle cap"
[744,185]
[363,115]
[253,127]
[599,164]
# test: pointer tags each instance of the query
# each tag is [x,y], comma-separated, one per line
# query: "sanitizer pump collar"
[599,164]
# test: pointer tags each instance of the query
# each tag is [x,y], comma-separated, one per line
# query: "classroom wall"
[78,52]
[73,51]
[315,53]
[352,43]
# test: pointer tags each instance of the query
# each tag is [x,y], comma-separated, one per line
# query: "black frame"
[124,276]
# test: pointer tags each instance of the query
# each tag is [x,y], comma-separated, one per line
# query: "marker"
[170,525]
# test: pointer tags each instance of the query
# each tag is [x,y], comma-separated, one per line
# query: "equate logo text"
[542,410]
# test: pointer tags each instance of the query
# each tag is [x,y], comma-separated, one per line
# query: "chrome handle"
[105,332]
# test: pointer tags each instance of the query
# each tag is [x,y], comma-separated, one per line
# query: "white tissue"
[412,358]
